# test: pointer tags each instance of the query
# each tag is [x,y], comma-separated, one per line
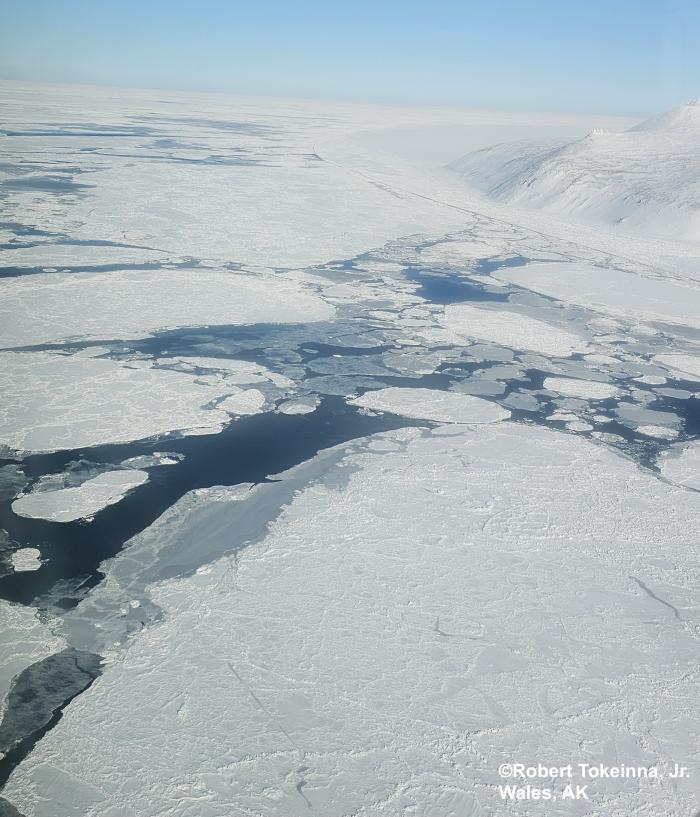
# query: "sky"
[581,56]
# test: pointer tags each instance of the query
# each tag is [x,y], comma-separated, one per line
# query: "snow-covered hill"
[646,178]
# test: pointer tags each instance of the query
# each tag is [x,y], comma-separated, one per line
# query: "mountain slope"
[646,178]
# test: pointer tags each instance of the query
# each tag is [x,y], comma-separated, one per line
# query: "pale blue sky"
[617,56]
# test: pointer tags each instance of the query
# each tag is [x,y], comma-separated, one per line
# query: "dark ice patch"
[36,699]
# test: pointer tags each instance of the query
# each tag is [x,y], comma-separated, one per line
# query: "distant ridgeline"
[644,179]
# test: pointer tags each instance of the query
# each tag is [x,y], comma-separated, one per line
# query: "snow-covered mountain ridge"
[644,179]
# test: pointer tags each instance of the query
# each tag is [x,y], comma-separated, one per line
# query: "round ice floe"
[294,407]
[26,559]
[249,401]
[584,389]
[432,404]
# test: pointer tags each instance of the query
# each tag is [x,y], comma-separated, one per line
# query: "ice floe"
[432,404]
[654,421]
[613,291]
[248,401]
[81,502]
[55,401]
[660,432]
[297,407]
[26,559]
[511,329]
[585,389]
[687,367]
[48,308]
[154,460]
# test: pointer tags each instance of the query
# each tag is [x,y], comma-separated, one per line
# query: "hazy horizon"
[631,60]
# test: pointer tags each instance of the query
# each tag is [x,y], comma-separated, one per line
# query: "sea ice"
[297,407]
[78,255]
[81,502]
[687,367]
[154,460]
[611,291]
[54,401]
[249,401]
[660,432]
[432,404]
[579,425]
[26,559]
[510,583]
[48,308]
[640,416]
[510,329]
[458,253]
[584,389]
[681,464]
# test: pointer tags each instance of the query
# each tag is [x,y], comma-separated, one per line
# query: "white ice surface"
[81,502]
[249,401]
[584,389]
[53,402]
[612,291]
[294,407]
[681,464]
[579,425]
[154,460]
[78,255]
[432,404]
[686,367]
[660,432]
[51,307]
[26,559]
[498,594]
[510,329]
